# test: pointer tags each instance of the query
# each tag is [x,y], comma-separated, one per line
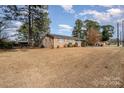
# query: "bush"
[70,45]
[58,46]
[76,44]
[6,45]
[83,44]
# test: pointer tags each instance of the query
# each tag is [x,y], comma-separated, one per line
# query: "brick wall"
[49,42]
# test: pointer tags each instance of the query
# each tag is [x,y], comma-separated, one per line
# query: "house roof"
[63,37]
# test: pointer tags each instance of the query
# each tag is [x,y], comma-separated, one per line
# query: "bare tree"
[93,36]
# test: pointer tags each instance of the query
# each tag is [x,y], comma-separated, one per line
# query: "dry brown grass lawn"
[65,67]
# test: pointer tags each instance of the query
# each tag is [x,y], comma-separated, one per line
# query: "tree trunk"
[30,29]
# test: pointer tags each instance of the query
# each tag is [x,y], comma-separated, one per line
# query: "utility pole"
[123,33]
[121,36]
[117,34]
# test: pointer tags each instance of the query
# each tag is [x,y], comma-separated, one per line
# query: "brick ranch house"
[57,41]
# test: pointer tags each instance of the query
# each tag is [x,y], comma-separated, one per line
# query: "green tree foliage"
[90,24]
[107,32]
[23,32]
[10,14]
[89,29]
[34,17]
[2,27]
[39,23]
[4,44]
[77,31]
[5,23]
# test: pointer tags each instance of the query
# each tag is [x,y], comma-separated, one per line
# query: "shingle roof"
[63,37]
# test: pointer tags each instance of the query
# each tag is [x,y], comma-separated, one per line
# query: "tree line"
[35,22]
[92,31]
[35,25]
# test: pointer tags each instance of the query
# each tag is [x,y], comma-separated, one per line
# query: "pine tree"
[77,31]
[34,17]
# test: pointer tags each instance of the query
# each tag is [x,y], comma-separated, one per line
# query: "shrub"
[70,45]
[83,44]
[57,46]
[6,45]
[76,44]
[42,46]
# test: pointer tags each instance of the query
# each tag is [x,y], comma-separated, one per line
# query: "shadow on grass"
[13,50]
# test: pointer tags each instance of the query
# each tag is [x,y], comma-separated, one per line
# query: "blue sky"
[63,16]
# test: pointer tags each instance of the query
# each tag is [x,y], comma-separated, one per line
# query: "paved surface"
[65,67]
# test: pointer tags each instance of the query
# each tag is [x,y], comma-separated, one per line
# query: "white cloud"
[95,14]
[115,11]
[65,27]
[103,16]
[112,6]
[68,8]
[108,6]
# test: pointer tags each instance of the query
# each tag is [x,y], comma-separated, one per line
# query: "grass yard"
[63,67]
